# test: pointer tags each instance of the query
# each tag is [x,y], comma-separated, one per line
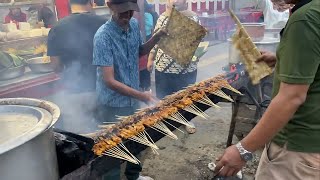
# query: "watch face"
[247,156]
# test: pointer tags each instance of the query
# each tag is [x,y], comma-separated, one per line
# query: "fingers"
[260,59]
[219,166]
[263,52]
[231,172]
[219,158]
[224,171]
[236,172]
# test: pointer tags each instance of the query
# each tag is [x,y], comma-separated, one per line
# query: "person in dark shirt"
[15,15]
[70,47]
[45,14]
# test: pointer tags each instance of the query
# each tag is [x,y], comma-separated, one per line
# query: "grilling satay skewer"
[133,126]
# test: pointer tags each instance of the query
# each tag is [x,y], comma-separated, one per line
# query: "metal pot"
[255,30]
[267,44]
[27,146]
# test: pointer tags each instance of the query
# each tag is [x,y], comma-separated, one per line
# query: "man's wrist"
[244,153]
[247,145]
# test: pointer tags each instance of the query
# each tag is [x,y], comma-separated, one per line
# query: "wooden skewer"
[199,110]
[229,87]
[195,110]
[122,145]
[177,117]
[148,137]
[164,128]
[106,122]
[142,139]
[118,153]
[120,157]
[150,141]
[222,95]
[205,100]
[164,131]
[173,126]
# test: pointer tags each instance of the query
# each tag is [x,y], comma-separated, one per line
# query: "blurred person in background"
[15,15]
[290,127]
[149,8]
[63,8]
[70,47]
[275,16]
[43,14]
[145,75]
[117,48]
[46,15]
[170,77]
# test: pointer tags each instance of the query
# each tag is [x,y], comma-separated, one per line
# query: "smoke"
[77,111]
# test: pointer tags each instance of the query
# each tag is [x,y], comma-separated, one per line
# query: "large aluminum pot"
[266,44]
[255,30]
[27,146]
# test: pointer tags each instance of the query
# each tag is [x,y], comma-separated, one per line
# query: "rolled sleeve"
[299,56]
[102,52]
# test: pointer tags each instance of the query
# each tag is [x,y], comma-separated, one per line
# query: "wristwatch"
[244,154]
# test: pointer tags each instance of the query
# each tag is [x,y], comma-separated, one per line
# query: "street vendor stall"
[24,69]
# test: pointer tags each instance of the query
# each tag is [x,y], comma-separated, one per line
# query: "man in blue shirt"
[117,48]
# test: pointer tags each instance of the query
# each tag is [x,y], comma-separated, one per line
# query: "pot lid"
[19,124]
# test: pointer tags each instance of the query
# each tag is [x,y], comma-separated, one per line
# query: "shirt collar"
[294,9]
[118,28]
[299,5]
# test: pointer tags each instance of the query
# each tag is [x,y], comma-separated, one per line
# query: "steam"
[77,112]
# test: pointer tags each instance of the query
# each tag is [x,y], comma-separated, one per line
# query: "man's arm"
[151,59]
[278,114]
[158,33]
[146,47]
[112,83]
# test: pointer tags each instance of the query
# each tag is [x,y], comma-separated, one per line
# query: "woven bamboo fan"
[184,37]
[249,53]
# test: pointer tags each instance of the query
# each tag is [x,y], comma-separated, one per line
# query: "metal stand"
[257,101]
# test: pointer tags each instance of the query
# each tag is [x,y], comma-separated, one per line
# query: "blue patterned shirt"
[120,49]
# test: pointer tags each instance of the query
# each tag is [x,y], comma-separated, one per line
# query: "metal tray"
[38,66]
[12,73]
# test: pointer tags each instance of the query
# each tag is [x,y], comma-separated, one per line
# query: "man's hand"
[160,33]
[230,163]
[268,57]
[146,47]
[148,98]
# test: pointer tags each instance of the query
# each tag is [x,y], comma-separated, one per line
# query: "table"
[30,85]
[221,24]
